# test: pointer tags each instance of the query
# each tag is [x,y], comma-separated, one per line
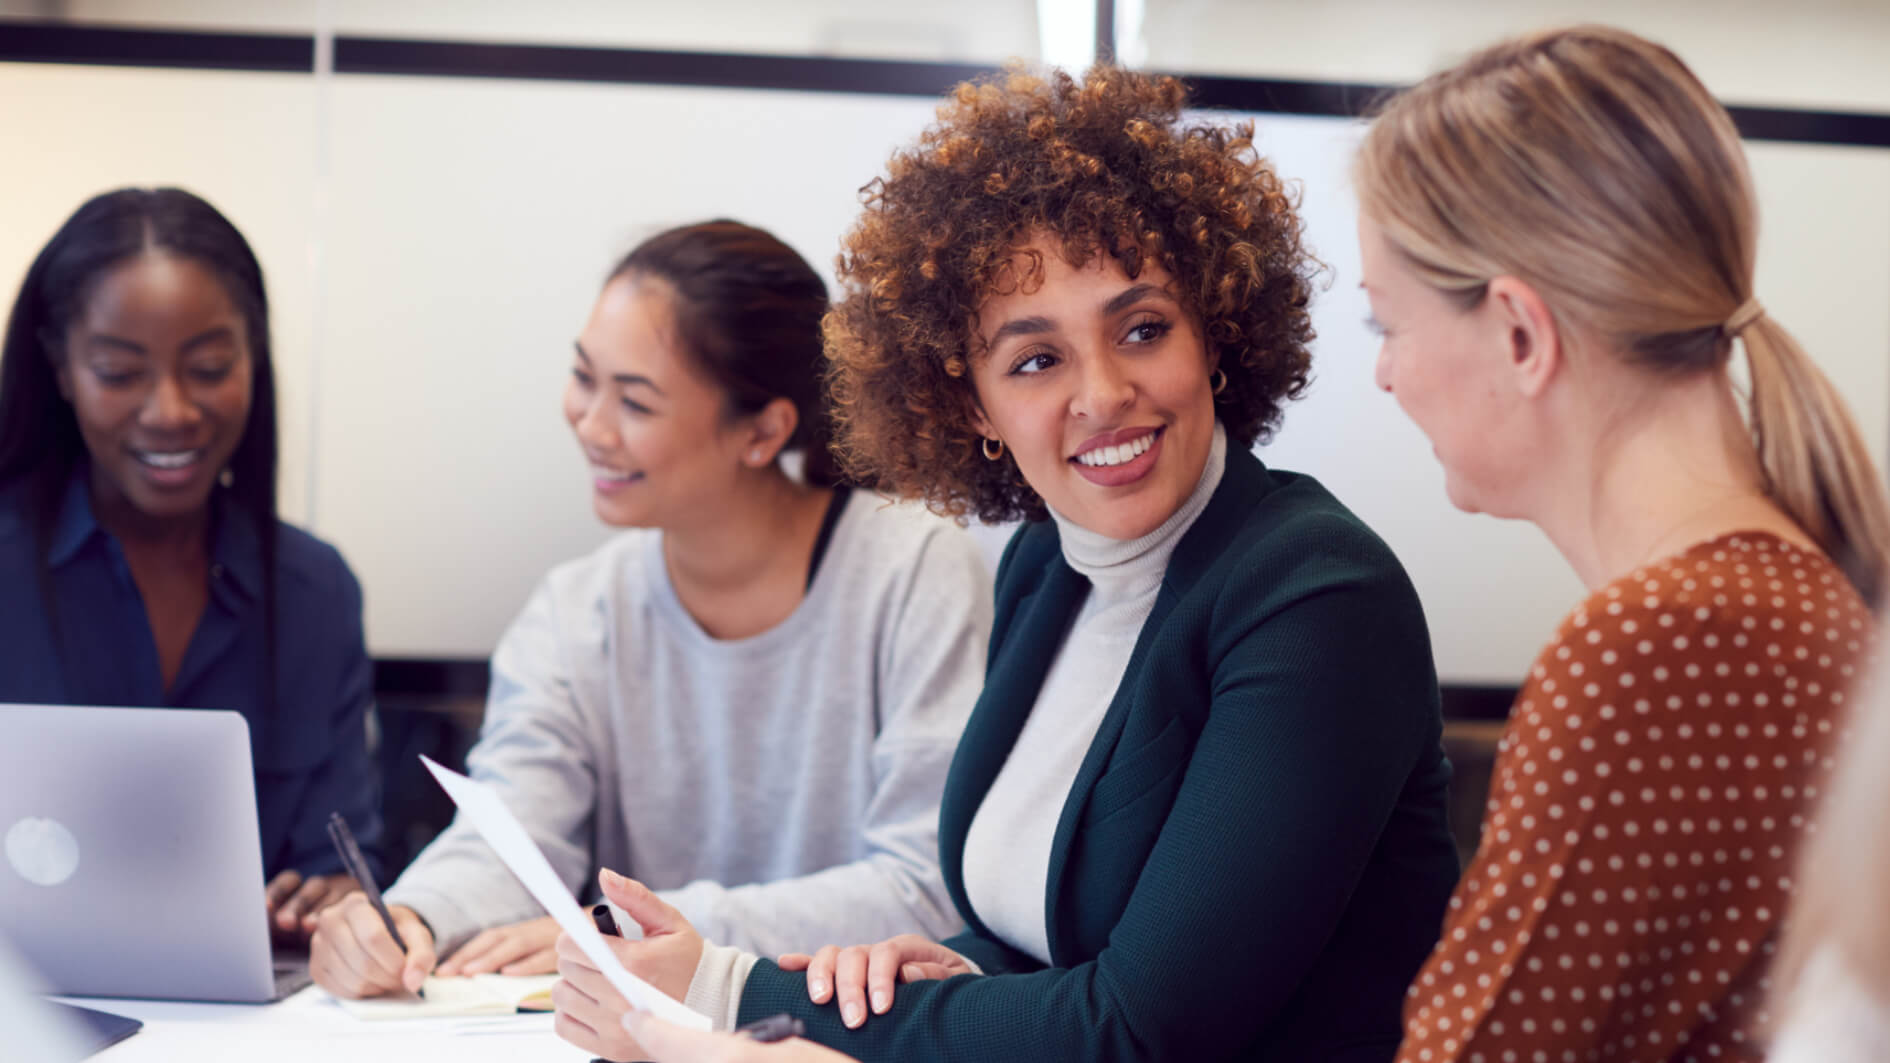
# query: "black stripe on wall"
[630,66]
[1329,99]
[59,42]
[1350,99]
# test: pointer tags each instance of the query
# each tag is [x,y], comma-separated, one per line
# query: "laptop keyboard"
[291,972]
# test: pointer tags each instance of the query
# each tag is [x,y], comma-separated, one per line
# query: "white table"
[309,1026]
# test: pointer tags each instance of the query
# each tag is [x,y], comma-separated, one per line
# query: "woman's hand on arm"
[530,947]
[859,972]
[590,1011]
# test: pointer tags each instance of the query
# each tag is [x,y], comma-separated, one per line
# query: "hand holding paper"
[591,1012]
[514,846]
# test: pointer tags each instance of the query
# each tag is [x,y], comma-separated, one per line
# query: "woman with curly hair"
[1198,812]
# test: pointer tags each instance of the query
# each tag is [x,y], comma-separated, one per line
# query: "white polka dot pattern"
[1646,803]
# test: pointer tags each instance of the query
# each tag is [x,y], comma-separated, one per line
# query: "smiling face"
[1097,383]
[653,427]
[157,367]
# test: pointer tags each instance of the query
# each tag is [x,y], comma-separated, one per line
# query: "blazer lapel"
[1242,484]
[1010,691]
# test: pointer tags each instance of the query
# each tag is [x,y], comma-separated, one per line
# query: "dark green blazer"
[1253,859]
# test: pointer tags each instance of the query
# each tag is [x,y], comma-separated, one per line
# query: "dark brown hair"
[1105,166]
[40,443]
[748,309]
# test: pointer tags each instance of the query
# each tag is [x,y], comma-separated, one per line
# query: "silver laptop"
[131,863]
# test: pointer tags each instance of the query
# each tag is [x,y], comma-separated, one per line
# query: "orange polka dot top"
[1647,797]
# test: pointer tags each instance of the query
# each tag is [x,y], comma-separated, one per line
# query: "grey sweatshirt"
[781,790]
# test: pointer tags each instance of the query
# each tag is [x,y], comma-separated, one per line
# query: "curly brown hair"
[1103,166]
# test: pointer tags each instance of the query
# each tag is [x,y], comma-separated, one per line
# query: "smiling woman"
[748,697]
[137,496]
[1198,812]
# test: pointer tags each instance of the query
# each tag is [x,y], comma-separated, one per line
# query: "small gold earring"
[754,456]
[989,454]
[226,477]
[1220,380]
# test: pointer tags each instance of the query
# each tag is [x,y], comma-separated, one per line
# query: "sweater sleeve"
[532,749]
[930,660]
[1313,726]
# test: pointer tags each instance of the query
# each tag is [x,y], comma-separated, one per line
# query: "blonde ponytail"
[1592,164]
[1816,464]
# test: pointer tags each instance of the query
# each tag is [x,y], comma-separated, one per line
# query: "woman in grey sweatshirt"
[751,696]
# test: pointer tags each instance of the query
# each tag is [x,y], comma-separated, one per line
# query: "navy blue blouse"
[310,753]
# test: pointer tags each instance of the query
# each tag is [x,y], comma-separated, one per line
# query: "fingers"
[793,961]
[280,888]
[566,995]
[673,1044]
[820,974]
[472,951]
[577,1033]
[522,948]
[882,970]
[335,887]
[920,972]
[576,969]
[591,1020]
[573,1009]
[345,955]
[569,952]
[544,961]
[849,985]
[651,912]
[485,952]
[420,955]
[353,955]
[299,911]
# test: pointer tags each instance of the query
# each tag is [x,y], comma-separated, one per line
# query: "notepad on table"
[479,994]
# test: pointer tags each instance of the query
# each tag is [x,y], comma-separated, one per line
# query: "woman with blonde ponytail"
[1558,241]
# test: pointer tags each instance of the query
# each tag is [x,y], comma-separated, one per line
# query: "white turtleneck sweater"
[1007,851]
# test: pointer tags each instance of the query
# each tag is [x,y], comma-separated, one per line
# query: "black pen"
[773,1028]
[606,923]
[357,866]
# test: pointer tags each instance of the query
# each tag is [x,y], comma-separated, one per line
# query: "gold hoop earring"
[1219,380]
[989,454]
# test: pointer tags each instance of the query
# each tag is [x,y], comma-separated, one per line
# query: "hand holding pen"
[361,947]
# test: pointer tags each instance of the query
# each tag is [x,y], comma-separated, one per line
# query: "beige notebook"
[479,994]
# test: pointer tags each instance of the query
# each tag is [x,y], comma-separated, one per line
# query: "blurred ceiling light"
[1131,46]
[1067,31]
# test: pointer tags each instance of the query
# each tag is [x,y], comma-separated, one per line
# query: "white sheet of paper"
[508,838]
